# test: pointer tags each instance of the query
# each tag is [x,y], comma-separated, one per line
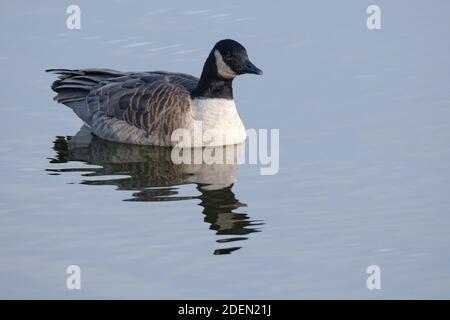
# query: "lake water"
[364,177]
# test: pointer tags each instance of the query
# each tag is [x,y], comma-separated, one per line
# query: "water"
[364,162]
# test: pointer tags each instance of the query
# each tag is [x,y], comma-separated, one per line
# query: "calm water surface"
[364,119]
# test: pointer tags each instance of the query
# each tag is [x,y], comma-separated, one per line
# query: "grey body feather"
[129,107]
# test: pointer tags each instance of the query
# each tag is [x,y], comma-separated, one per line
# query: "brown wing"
[155,102]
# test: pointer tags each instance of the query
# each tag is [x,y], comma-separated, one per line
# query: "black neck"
[211,85]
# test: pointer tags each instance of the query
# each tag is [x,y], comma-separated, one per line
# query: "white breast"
[219,122]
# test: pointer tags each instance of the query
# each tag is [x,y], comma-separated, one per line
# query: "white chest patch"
[218,121]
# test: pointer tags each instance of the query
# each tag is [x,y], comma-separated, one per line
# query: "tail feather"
[70,85]
[73,86]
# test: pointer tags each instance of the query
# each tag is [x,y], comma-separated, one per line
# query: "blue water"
[364,178]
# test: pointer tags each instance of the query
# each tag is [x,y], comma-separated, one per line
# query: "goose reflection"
[153,176]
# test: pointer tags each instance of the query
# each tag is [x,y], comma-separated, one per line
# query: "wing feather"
[157,106]
[131,107]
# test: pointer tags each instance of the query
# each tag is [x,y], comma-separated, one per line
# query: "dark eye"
[228,55]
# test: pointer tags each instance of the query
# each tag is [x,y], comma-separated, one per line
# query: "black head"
[231,59]
[227,60]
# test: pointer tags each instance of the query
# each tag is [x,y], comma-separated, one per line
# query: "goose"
[148,108]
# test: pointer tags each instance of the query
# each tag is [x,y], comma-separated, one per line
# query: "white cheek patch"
[222,68]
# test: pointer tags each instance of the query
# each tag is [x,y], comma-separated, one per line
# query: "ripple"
[193,12]
[164,47]
[138,44]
